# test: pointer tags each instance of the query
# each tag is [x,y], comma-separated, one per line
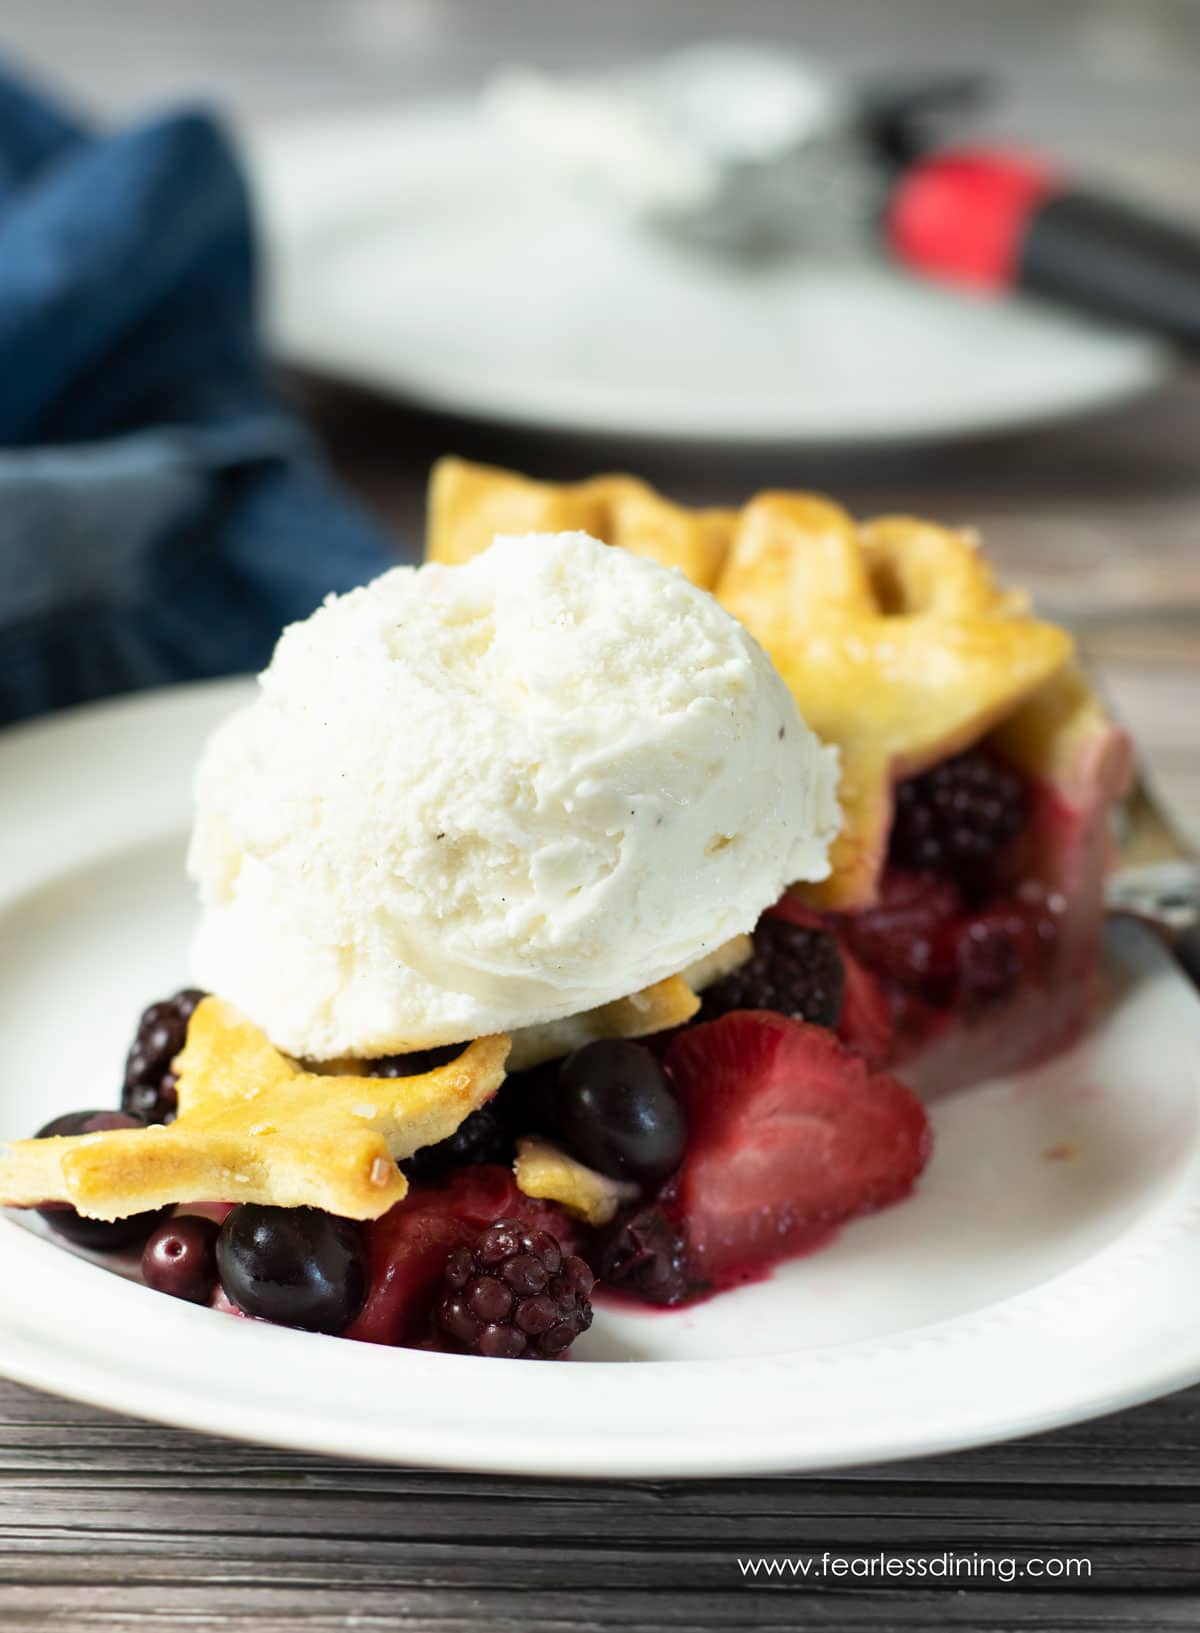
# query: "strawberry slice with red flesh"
[408,1246]
[789,1134]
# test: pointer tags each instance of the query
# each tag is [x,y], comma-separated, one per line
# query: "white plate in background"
[1047,1269]
[410,251]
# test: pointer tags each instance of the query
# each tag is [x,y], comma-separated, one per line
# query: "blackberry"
[150,1084]
[481,1137]
[999,948]
[794,969]
[953,819]
[512,1293]
[989,966]
[416,1063]
[641,1254]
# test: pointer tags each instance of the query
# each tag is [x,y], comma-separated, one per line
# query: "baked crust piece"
[545,1171]
[254,1126]
[470,504]
[658,1008]
[655,1009]
[897,645]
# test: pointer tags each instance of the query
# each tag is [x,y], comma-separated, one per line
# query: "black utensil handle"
[1187,951]
[1116,260]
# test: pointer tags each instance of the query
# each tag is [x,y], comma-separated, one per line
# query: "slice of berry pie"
[556,933]
[978,769]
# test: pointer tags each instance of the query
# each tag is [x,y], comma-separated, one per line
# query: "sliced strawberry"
[789,1133]
[408,1246]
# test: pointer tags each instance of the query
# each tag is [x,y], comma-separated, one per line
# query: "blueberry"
[613,1109]
[298,1267]
[416,1062]
[181,1258]
[100,1235]
[87,1122]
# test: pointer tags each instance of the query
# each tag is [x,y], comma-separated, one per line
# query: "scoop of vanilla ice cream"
[470,799]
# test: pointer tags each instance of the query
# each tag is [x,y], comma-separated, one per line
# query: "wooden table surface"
[107,1523]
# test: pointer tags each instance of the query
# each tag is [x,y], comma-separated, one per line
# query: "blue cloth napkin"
[161,517]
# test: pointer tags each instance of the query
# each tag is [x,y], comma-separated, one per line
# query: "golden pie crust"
[253,1126]
[470,504]
[657,1008]
[542,1170]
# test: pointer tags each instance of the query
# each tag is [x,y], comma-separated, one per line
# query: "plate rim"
[266,147]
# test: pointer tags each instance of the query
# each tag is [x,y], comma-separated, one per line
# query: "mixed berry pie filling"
[738,1140]
[958,928]
[745,1137]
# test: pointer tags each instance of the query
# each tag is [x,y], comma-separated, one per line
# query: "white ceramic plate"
[1048,1268]
[411,251]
